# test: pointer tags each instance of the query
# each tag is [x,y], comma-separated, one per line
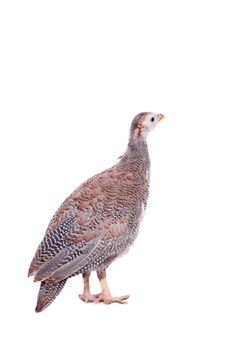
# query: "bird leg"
[105,295]
[87,296]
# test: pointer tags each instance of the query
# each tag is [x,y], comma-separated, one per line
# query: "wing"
[84,226]
[99,250]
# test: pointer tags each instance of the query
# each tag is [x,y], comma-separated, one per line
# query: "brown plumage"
[97,223]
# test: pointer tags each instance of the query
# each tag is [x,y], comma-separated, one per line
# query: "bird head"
[143,123]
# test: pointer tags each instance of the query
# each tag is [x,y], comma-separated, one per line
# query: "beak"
[160,117]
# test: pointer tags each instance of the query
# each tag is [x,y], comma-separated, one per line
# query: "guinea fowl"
[97,223]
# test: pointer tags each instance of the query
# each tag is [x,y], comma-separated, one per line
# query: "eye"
[152,119]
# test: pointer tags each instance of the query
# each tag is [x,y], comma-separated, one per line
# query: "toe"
[119,300]
[124,297]
[88,298]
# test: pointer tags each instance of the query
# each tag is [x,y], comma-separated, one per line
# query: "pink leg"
[87,296]
[105,296]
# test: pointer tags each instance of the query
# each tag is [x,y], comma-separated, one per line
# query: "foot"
[108,299]
[88,298]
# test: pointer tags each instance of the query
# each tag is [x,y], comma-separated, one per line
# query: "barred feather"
[47,293]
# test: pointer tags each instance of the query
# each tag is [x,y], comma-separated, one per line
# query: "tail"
[48,292]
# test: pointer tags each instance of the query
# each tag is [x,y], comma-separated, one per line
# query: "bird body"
[98,222]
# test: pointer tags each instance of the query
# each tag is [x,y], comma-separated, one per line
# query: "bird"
[97,223]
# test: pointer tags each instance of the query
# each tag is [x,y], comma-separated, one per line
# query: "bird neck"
[138,148]
[137,155]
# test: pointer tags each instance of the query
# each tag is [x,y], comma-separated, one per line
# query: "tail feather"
[47,293]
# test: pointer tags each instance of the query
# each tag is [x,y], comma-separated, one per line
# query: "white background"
[73,75]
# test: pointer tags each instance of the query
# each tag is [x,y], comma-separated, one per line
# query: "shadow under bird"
[97,223]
